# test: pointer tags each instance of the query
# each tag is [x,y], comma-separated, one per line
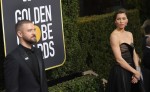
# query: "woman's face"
[121,20]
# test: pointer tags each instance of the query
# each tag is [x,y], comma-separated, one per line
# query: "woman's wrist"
[138,68]
[135,71]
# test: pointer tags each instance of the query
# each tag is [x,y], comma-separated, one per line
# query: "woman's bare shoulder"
[114,37]
[114,34]
[129,33]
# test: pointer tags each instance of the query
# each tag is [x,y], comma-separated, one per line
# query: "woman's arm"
[135,55]
[115,45]
[136,59]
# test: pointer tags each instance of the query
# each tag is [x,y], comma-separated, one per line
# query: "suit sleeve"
[44,79]
[11,72]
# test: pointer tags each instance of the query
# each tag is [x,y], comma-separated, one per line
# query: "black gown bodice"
[120,79]
[127,52]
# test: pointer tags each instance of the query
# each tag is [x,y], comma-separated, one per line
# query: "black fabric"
[119,78]
[33,64]
[19,77]
[146,58]
[146,78]
[146,65]
[144,42]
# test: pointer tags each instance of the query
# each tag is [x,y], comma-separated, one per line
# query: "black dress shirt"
[33,62]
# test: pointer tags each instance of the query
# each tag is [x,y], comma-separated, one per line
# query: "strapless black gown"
[119,78]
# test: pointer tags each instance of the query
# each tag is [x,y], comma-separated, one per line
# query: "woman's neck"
[120,29]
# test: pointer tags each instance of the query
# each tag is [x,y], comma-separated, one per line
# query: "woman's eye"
[124,18]
[118,19]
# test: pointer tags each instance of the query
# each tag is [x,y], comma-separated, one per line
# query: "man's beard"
[30,41]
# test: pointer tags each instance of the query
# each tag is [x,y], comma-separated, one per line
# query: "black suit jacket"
[146,65]
[146,54]
[19,77]
[146,58]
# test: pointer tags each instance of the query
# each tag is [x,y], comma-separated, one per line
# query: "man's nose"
[34,31]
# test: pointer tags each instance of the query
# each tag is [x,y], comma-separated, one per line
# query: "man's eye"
[29,30]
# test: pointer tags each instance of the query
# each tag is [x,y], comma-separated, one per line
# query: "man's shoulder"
[14,52]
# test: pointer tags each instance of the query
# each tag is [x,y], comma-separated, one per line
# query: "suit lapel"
[24,55]
[39,58]
[26,59]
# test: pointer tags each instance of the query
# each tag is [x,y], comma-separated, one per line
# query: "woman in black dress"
[123,75]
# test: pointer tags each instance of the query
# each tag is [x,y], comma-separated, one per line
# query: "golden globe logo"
[47,18]
[38,33]
[45,41]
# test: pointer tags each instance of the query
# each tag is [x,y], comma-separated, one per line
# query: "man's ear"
[19,33]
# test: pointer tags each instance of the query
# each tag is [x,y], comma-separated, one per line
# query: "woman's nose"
[121,20]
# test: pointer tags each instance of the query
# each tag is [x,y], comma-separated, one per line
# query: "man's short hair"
[147,29]
[146,26]
[20,23]
[148,41]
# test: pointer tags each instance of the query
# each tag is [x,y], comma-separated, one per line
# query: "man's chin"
[32,42]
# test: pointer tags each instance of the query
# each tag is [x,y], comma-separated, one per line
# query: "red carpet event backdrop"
[47,17]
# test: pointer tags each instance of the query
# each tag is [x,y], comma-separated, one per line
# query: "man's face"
[28,33]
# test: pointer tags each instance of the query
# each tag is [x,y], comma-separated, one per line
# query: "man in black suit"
[24,67]
[146,55]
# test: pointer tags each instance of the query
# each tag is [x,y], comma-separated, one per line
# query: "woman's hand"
[134,80]
[137,75]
